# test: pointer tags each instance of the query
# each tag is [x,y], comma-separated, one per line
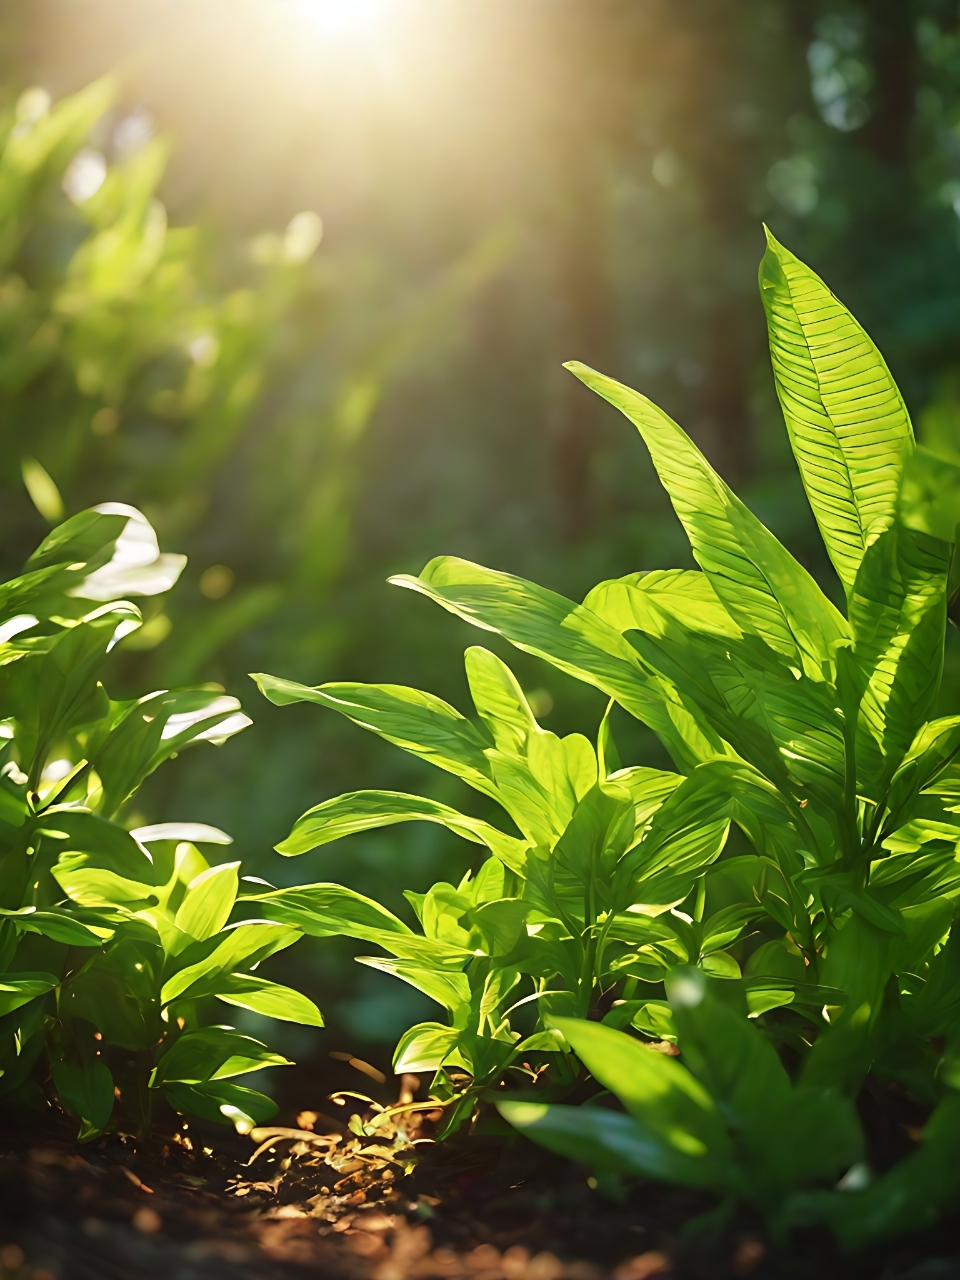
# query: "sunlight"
[346,19]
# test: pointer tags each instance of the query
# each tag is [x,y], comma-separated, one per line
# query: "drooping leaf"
[575,640]
[325,910]
[609,1141]
[657,1091]
[20,988]
[238,947]
[270,999]
[447,987]
[367,810]
[424,1047]
[212,1053]
[646,601]
[221,1101]
[420,723]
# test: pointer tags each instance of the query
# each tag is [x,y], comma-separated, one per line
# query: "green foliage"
[115,945]
[727,1117]
[807,729]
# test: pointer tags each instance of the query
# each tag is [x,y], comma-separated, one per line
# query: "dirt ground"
[385,1204]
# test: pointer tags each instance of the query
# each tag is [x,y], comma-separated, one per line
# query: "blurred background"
[296,277]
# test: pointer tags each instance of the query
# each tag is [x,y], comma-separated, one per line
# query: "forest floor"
[387,1205]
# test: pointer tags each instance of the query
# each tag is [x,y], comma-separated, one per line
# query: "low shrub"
[825,954]
[115,946]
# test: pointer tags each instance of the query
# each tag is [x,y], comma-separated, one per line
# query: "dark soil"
[477,1208]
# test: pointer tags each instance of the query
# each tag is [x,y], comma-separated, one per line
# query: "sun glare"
[345,19]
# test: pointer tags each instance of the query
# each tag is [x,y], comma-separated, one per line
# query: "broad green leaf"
[220,1102]
[116,990]
[238,947]
[212,1053]
[847,422]
[209,900]
[859,961]
[733,1060]
[898,613]
[930,494]
[575,640]
[449,988]
[607,1140]
[740,1068]
[269,999]
[420,723]
[765,591]
[687,833]
[645,601]
[85,1086]
[96,887]
[539,777]
[656,1090]
[328,910]
[648,789]
[500,702]
[19,989]
[929,756]
[366,810]
[137,567]
[59,926]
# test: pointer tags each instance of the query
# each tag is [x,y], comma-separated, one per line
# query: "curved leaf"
[366,810]
[763,588]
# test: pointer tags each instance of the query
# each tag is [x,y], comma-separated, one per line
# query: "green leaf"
[607,1140]
[329,910]
[19,990]
[575,640]
[847,422]
[657,1090]
[367,810]
[898,606]
[136,568]
[859,961]
[239,946]
[930,494]
[155,728]
[43,492]
[269,999]
[208,901]
[733,1060]
[911,1194]
[212,1053]
[424,1047]
[220,1102]
[116,991]
[447,987]
[649,601]
[420,723]
[59,926]
[765,591]
[82,1079]
[687,832]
